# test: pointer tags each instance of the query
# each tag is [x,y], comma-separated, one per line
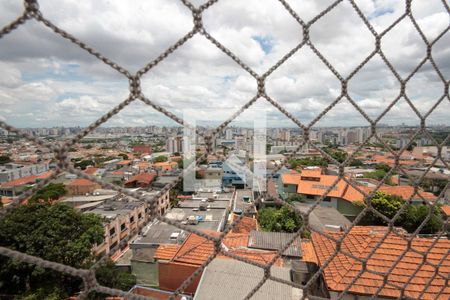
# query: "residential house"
[232,279]
[414,276]
[81,186]
[142,180]
[165,166]
[16,187]
[143,263]
[176,264]
[312,184]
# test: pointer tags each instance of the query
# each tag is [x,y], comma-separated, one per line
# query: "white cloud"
[48,81]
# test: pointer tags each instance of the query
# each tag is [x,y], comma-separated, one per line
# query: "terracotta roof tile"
[312,182]
[27,180]
[80,182]
[290,178]
[90,170]
[404,191]
[166,251]
[446,210]
[5,200]
[196,249]
[145,178]
[308,253]
[361,241]
[246,224]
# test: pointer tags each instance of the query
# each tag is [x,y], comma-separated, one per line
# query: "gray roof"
[112,209]
[188,203]
[322,216]
[240,204]
[231,279]
[213,219]
[275,241]
[158,233]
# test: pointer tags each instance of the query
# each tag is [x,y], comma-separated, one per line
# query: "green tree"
[411,217]
[308,161]
[336,153]
[378,175]
[83,164]
[384,203]
[108,275]
[280,219]
[53,232]
[4,159]
[56,233]
[383,167]
[295,197]
[180,164]
[356,163]
[161,158]
[53,191]
[416,214]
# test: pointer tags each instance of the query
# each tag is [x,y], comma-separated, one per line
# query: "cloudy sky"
[47,81]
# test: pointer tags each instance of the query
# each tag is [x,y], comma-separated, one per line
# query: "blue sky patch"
[381,11]
[66,72]
[266,42]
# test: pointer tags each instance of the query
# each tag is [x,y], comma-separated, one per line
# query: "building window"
[131,220]
[140,216]
[112,232]
[327,199]
[123,227]
[113,245]
[309,196]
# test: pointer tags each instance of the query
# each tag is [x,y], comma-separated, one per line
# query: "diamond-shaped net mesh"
[32,11]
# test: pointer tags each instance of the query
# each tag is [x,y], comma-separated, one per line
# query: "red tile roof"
[290,178]
[311,182]
[27,180]
[196,250]
[145,178]
[90,170]
[246,224]
[446,210]
[404,191]
[308,253]
[390,161]
[5,200]
[166,251]
[118,172]
[360,242]
[80,182]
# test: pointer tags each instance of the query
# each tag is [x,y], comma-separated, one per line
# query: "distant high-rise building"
[352,137]
[239,143]
[174,144]
[285,135]
[229,134]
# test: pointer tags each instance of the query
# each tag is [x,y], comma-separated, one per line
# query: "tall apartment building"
[174,144]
